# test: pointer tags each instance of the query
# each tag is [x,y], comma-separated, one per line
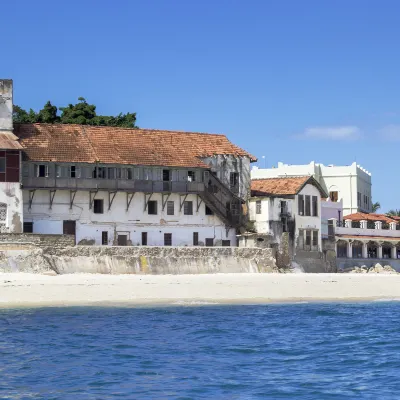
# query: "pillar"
[393,226]
[365,250]
[349,250]
[363,224]
[379,250]
[378,225]
[394,252]
[347,223]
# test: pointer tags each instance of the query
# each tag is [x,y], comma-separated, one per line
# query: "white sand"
[21,290]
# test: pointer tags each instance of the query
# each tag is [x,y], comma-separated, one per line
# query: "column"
[379,250]
[393,226]
[394,252]
[363,224]
[378,225]
[365,250]
[349,250]
[347,223]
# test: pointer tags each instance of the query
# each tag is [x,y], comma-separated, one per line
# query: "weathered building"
[115,186]
[11,210]
[286,213]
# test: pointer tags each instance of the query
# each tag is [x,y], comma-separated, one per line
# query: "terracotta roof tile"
[369,217]
[278,186]
[109,145]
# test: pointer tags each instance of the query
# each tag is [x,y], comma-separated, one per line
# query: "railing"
[340,224]
[355,224]
[385,225]
[370,225]
[113,184]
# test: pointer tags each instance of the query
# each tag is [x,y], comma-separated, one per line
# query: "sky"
[293,81]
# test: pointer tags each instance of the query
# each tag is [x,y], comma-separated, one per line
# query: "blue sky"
[294,81]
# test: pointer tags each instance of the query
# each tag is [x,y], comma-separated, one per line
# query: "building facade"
[115,186]
[11,202]
[350,184]
[286,213]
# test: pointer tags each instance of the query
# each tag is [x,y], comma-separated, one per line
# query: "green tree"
[376,206]
[20,116]
[393,213]
[80,113]
[48,114]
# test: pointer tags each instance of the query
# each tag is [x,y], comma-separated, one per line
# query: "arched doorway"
[341,247]
[372,249]
[357,249]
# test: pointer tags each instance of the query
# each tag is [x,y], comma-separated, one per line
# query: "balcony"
[125,185]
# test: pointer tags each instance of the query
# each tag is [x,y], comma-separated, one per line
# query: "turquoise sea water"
[298,351]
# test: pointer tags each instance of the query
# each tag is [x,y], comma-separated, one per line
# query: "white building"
[351,184]
[287,212]
[117,186]
[11,211]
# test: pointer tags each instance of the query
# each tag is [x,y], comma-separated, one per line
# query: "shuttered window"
[170,208]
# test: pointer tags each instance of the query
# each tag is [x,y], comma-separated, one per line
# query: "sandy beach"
[32,290]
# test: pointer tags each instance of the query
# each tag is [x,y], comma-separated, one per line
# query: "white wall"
[134,221]
[6,104]
[11,195]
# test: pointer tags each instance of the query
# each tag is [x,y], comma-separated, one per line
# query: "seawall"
[150,260]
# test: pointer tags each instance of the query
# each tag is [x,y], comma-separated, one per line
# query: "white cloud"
[390,132]
[331,133]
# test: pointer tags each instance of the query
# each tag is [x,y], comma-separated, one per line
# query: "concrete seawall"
[137,260]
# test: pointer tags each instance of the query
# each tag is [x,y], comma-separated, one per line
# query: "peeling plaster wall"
[11,195]
[224,165]
[6,105]
[139,260]
[89,226]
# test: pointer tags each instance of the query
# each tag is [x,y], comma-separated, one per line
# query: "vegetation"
[80,113]
[376,206]
[393,213]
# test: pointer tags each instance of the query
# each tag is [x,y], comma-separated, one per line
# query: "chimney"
[6,105]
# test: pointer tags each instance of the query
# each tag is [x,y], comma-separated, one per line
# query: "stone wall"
[38,240]
[139,260]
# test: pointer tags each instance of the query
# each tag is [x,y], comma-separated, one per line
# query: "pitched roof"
[370,217]
[9,141]
[282,186]
[112,145]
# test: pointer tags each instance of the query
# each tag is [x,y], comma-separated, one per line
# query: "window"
[308,206]
[233,179]
[341,250]
[166,175]
[258,207]
[99,173]
[72,171]
[284,224]
[128,173]
[209,242]
[284,209]
[301,204]
[41,170]
[104,238]
[119,173]
[28,227]
[122,240]
[2,164]
[209,211]
[188,207]
[334,196]
[167,239]
[308,238]
[111,173]
[98,206]
[170,208]
[359,199]
[195,238]
[152,207]
[144,238]
[191,176]
[315,206]
[226,243]
[315,238]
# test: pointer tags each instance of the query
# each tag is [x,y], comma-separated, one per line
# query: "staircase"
[222,201]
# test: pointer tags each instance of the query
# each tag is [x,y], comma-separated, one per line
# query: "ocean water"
[292,351]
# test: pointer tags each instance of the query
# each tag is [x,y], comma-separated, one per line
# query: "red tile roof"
[8,141]
[282,186]
[109,145]
[370,217]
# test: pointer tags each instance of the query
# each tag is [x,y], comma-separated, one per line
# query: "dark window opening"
[308,238]
[191,176]
[42,171]
[98,206]
[209,242]
[301,204]
[284,209]
[342,250]
[258,207]
[284,224]
[386,252]
[167,239]
[69,227]
[315,206]
[195,238]
[2,164]
[188,208]
[308,206]
[226,243]
[166,175]
[315,238]
[234,179]
[209,211]
[72,171]
[170,208]
[152,207]
[372,251]
[144,238]
[104,238]
[28,227]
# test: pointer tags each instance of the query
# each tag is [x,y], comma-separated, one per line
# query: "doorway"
[69,227]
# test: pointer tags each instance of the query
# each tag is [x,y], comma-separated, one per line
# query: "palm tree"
[376,206]
[393,213]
